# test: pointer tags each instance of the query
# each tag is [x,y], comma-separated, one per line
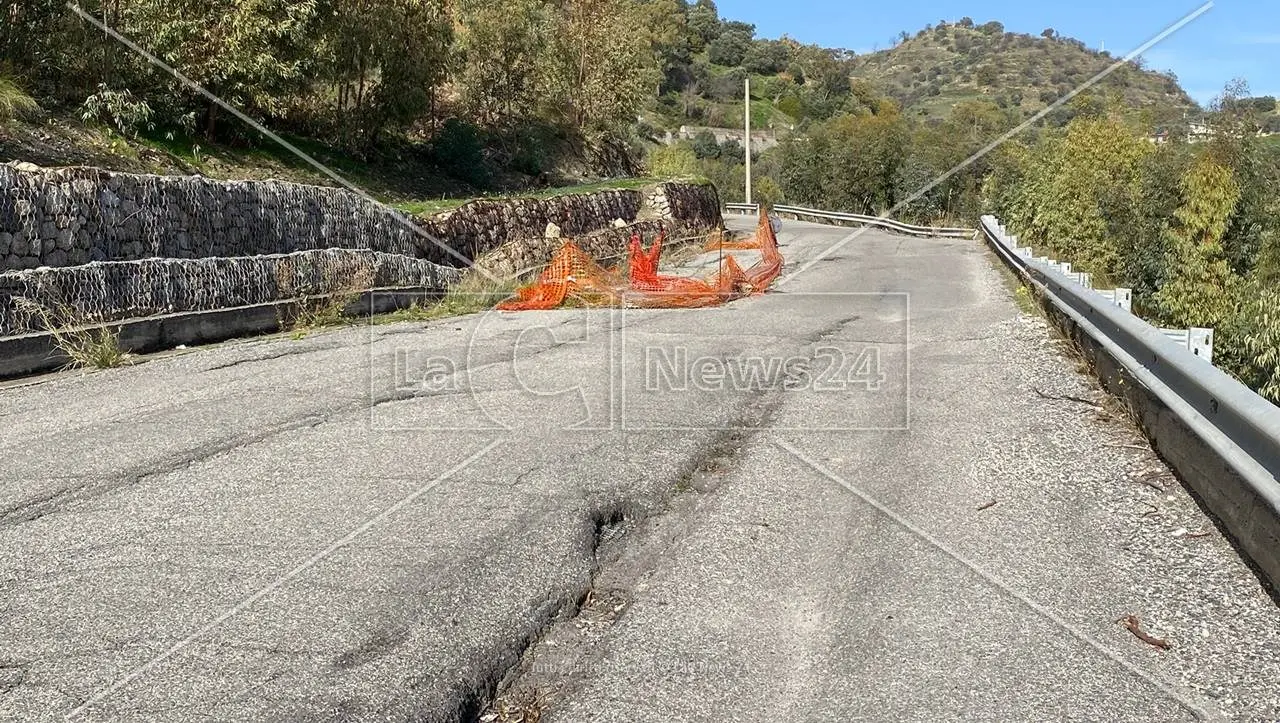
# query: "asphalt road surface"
[876,493]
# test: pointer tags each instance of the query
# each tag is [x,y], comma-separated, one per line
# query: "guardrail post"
[1124,298]
[1200,342]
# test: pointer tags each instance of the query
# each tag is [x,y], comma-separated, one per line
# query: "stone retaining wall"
[68,217]
[95,246]
[682,211]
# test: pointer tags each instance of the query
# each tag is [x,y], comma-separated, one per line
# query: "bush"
[14,103]
[533,148]
[732,150]
[766,191]
[458,149]
[705,146]
[677,161]
[118,109]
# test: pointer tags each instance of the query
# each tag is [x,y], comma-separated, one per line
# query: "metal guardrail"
[827,216]
[1232,456]
[1197,340]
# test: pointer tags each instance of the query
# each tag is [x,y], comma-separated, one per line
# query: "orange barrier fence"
[573,276]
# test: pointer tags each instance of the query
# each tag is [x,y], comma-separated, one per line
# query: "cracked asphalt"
[844,500]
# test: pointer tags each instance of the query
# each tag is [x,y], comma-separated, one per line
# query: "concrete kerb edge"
[31,354]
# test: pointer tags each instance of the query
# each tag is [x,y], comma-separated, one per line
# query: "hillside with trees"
[939,66]
[480,93]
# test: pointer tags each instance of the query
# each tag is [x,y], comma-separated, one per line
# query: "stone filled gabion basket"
[90,246]
[114,291]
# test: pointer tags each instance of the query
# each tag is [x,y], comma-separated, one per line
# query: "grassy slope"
[429,207]
[55,142]
[416,189]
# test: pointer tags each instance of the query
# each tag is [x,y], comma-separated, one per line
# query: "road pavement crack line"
[310,562]
[54,501]
[269,357]
[1168,689]
[625,549]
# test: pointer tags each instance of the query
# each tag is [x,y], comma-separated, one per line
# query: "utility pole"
[747,145]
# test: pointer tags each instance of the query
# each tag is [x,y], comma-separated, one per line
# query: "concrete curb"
[37,353]
[1218,435]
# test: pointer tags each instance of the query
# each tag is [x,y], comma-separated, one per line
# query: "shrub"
[118,109]
[677,161]
[459,151]
[14,103]
[704,145]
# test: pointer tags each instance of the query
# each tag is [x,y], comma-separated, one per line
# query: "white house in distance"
[1199,132]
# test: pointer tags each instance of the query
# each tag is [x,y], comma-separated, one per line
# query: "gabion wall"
[117,290]
[88,245]
[71,216]
[66,217]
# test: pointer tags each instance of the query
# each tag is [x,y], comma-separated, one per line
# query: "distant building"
[1160,137]
[760,140]
[1199,132]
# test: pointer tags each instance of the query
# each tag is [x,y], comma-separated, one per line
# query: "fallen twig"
[1067,398]
[987,505]
[1131,623]
[1149,480]
[1153,511]
[1138,447]
[1200,534]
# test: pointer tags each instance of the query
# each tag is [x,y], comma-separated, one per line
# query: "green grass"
[473,294]
[86,347]
[14,103]
[430,207]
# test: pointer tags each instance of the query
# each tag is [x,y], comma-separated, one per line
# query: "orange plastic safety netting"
[573,275]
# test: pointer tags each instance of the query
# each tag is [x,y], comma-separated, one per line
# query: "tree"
[665,25]
[501,70]
[766,57]
[703,24]
[729,48]
[254,53]
[862,160]
[603,70]
[1201,287]
[1049,33]
[1261,338]
[801,169]
[27,28]
[412,59]
[1059,203]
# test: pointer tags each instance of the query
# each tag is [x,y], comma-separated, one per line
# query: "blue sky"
[1235,39]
